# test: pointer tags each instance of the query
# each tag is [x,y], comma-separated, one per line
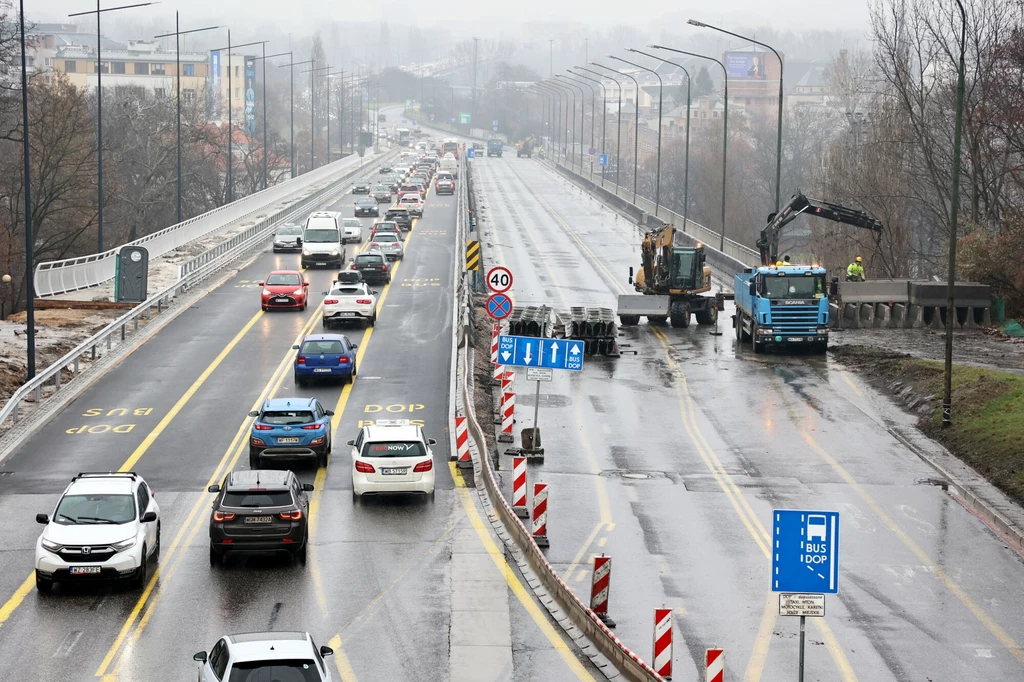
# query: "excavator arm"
[768,242]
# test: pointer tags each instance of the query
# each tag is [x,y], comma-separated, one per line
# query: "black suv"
[373,267]
[366,206]
[259,511]
[401,216]
[361,187]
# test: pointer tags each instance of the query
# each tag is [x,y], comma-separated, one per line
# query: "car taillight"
[292,515]
[384,268]
[423,466]
[310,427]
[318,441]
[263,427]
[330,301]
[374,244]
[343,360]
[365,468]
[302,359]
[256,441]
[222,516]
[364,301]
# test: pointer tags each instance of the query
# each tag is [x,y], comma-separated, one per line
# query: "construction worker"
[785,260]
[855,271]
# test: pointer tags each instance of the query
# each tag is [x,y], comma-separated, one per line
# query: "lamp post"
[686,173]
[778,141]
[725,128]
[604,119]
[177,83]
[30,296]
[231,132]
[99,108]
[566,145]
[618,121]
[264,59]
[593,122]
[661,101]
[954,211]
[583,110]
[556,110]
[312,117]
[291,103]
[636,127]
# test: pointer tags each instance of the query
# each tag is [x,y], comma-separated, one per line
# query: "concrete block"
[915,317]
[899,315]
[833,315]
[851,316]
[986,317]
[964,294]
[867,314]
[969,322]
[878,291]
[937,321]
[883,316]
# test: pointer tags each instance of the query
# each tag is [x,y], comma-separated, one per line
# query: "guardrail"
[197,269]
[73,274]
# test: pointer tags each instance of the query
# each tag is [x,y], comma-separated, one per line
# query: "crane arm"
[768,242]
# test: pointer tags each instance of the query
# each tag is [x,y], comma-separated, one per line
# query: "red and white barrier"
[499,372]
[519,487]
[508,381]
[714,665]
[663,642]
[540,514]
[495,333]
[464,461]
[600,586]
[508,417]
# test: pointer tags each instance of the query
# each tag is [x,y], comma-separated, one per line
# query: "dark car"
[392,181]
[366,206]
[400,216]
[381,194]
[324,356]
[361,187]
[444,186]
[385,168]
[259,511]
[373,267]
[382,117]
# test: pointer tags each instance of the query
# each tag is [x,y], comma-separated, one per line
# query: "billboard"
[213,92]
[250,95]
[745,65]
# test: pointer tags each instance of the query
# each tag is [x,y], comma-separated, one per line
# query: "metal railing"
[67,368]
[73,274]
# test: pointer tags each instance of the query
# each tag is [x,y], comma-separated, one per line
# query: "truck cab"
[494,147]
[782,306]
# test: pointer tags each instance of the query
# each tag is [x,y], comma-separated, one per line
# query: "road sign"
[431,117]
[470,153]
[499,279]
[414,122]
[494,129]
[807,605]
[404,121]
[494,123]
[451,120]
[464,118]
[591,151]
[499,306]
[473,255]
[805,552]
[602,160]
[539,374]
[528,351]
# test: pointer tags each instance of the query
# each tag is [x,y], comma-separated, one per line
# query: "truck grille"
[795,320]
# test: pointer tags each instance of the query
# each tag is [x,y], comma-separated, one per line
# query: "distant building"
[140,64]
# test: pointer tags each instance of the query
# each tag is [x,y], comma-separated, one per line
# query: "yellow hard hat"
[777,263]
[859,259]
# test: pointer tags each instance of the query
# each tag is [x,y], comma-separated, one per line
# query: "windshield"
[283,280]
[257,499]
[298,670]
[95,509]
[322,347]
[289,230]
[352,222]
[385,238]
[287,417]
[796,286]
[682,269]
[411,199]
[394,449]
[369,258]
[380,188]
[366,202]
[321,236]
[347,291]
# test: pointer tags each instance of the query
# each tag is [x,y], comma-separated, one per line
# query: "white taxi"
[392,456]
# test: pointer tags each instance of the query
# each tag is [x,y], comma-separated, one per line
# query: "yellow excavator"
[525,147]
[671,281]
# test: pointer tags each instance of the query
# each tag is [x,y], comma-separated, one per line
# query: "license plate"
[346,314]
[258,519]
[85,570]
[394,471]
[795,339]
[281,300]
[321,369]
[321,263]
[288,440]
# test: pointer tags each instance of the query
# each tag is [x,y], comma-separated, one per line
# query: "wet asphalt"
[671,458]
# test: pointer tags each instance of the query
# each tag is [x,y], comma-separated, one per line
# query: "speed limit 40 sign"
[499,279]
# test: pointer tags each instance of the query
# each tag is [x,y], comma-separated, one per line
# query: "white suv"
[323,240]
[105,526]
[392,456]
[265,656]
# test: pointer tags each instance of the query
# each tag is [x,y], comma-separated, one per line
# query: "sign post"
[805,564]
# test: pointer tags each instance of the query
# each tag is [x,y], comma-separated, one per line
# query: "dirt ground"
[483,399]
[974,347]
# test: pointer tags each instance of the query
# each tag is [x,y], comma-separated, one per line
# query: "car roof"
[287,403]
[98,483]
[263,478]
[322,337]
[324,214]
[258,646]
[285,272]
[377,433]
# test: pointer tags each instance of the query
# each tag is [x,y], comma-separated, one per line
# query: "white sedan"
[350,303]
[413,202]
[392,456]
[353,230]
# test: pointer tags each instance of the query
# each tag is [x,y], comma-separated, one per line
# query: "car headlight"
[335,252]
[305,252]
[51,546]
[268,292]
[123,545]
[297,292]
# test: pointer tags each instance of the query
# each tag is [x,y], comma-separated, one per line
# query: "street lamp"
[99,108]
[547,111]
[556,110]
[661,92]
[264,59]
[583,110]
[593,122]
[291,102]
[30,303]
[604,120]
[618,123]
[778,141]
[177,83]
[725,128]
[686,173]
[231,135]
[567,147]
[312,117]
[636,127]
[954,211]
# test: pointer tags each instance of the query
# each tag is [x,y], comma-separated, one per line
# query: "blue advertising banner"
[745,65]
[213,92]
[250,95]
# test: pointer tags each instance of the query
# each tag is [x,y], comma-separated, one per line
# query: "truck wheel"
[629,320]
[707,316]
[657,319]
[680,314]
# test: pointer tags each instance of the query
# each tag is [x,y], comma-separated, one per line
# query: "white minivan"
[323,240]
[449,164]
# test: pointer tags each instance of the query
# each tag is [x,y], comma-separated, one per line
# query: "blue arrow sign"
[470,154]
[805,551]
[528,351]
[603,159]
[414,122]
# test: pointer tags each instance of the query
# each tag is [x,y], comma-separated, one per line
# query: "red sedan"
[284,289]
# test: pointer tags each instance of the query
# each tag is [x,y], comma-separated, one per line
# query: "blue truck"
[786,306]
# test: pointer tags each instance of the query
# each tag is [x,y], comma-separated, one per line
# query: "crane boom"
[768,242]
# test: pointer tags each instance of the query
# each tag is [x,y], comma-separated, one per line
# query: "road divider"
[540,514]
[714,665]
[600,588]
[462,444]
[508,417]
[519,487]
[663,642]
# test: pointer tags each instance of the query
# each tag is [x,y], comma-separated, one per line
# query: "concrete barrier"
[883,316]
[965,294]
[867,314]
[880,291]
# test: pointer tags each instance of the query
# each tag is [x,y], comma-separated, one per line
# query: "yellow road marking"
[755,666]
[341,660]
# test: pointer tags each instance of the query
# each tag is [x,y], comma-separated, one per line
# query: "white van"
[449,164]
[322,240]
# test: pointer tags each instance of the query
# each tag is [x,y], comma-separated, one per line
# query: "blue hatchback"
[290,428]
[325,355]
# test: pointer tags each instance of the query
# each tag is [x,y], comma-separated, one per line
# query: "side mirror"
[326,651]
[375,293]
[200,657]
[298,240]
[295,347]
[263,284]
[630,275]
[305,284]
[329,413]
[254,413]
[307,487]
[45,518]
[753,288]
[325,292]
[351,442]
[215,488]
[431,441]
[149,517]
[355,345]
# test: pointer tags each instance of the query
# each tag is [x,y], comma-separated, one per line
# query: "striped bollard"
[519,487]
[600,586]
[499,372]
[540,514]
[508,417]
[462,444]
[508,381]
[714,665]
[495,333]
[663,642]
